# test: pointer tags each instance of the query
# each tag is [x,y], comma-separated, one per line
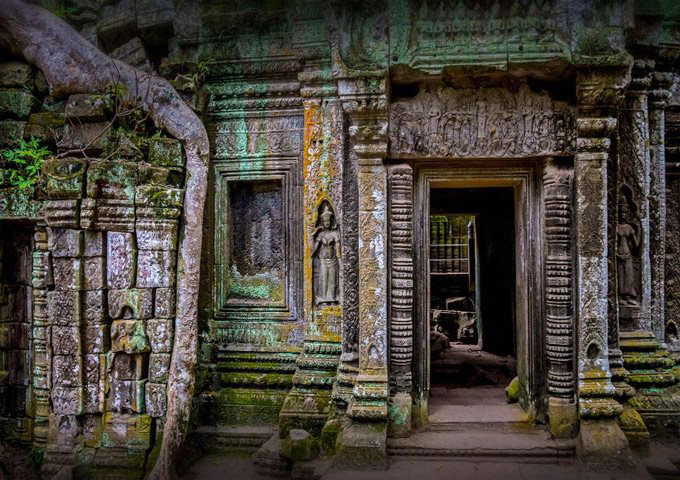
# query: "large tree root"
[72,65]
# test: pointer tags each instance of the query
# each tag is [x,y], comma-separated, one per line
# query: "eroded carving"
[488,122]
[628,236]
[326,253]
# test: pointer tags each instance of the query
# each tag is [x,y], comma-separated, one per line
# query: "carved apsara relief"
[326,253]
[488,122]
[628,237]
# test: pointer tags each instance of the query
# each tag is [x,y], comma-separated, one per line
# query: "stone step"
[488,446]
[492,414]
[216,438]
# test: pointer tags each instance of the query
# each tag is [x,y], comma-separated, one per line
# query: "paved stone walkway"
[232,467]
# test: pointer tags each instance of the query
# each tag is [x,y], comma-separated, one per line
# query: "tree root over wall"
[72,65]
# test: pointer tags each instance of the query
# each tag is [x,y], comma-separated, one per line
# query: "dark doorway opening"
[472,279]
[15,323]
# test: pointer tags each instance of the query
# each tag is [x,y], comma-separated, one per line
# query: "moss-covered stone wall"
[104,217]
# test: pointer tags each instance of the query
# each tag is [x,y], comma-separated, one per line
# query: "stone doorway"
[485,280]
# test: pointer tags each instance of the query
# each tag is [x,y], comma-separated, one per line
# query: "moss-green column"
[363,444]
[601,441]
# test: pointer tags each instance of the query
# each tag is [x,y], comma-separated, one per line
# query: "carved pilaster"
[41,360]
[400,180]
[599,89]
[672,266]
[657,399]
[659,94]
[631,227]
[308,403]
[557,185]
[365,101]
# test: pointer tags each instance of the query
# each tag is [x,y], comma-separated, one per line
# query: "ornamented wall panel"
[257,241]
[485,123]
[257,225]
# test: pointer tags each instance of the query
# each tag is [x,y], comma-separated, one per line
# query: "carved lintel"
[482,123]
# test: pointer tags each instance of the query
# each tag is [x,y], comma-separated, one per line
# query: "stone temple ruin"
[406,206]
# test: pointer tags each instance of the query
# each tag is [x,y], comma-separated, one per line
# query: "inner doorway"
[472,287]
[501,207]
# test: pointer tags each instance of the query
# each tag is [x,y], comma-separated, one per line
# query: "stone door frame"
[523,177]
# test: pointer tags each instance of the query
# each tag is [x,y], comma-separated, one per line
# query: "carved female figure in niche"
[326,254]
[627,241]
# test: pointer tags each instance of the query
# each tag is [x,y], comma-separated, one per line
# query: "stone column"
[598,91]
[658,95]
[400,180]
[557,191]
[41,361]
[363,443]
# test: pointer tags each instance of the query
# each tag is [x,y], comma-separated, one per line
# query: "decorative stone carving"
[66,370]
[65,340]
[559,339]
[164,303]
[628,238]
[159,367]
[485,123]
[94,306]
[129,336]
[308,403]
[401,274]
[62,213]
[121,258]
[156,268]
[41,316]
[672,300]
[94,273]
[160,335]
[658,99]
[65,242]
[252,136]
[400,189]
[326,253]
[63,307]
[131,303]
[156,399]
[68,273]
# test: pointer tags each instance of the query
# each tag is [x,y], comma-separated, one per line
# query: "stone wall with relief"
[87,285]
[252,264]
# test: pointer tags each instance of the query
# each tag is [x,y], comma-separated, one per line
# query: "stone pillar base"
[563,416]
[420,412]
[602,445]
[635,429]
[399,408]
[362,446]
[305,409]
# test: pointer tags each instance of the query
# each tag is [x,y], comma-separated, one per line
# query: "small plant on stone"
[25,163]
